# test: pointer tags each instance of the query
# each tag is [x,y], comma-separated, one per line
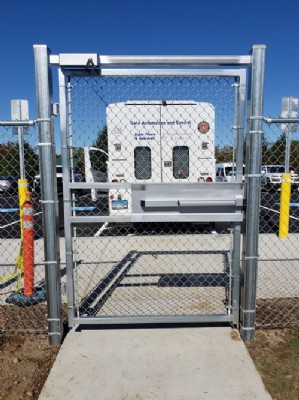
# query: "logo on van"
[203,127]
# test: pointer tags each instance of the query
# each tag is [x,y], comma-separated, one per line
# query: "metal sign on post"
[289,110]
[20,112]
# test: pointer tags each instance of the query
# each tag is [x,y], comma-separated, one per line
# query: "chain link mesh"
[17,312]
[278,277]
[158,130]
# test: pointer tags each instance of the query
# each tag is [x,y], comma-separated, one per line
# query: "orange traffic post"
[28,246]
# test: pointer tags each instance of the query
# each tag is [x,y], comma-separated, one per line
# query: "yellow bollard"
[22,190]
[285,198]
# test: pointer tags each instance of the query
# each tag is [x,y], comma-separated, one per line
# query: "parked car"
[78,177]
[8,184]
[226,172]
[272,176]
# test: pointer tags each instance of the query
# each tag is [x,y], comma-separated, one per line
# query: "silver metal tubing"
[208,318]
[236,251]
[281,120]
[18,123]
[66,194]
[155,72]
[253,164]
[175,60]
[49,192]
[161,217]
[82,59]
[240,105]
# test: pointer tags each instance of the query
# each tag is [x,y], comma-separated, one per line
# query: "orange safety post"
[28,246]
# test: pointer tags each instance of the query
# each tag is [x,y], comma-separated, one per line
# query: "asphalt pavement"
[9,215]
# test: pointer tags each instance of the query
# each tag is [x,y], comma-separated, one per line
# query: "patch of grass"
[294,345]
[276,356]
[274,372]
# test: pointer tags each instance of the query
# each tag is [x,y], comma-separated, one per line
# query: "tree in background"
[10,160]
[98,159]
[272,153]
[224,154]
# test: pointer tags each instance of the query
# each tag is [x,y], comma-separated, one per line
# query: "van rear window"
[143,162]
[180,156]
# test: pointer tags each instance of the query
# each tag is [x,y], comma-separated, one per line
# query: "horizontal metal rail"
[281,120]
[207,187]
[18,123]
[134,72]
[94,60]
[159,217]
[99,185]
[208,318]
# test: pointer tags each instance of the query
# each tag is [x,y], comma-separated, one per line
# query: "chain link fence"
[278,276]
[19,313]
[146,269]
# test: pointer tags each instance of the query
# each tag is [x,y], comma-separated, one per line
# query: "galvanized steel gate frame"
[241,311]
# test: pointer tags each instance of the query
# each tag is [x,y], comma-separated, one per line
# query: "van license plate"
[119,204]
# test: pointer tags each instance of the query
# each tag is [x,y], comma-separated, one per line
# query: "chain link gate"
[162,266]
[152,222]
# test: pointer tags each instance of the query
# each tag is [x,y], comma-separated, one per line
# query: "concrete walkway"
[162,364]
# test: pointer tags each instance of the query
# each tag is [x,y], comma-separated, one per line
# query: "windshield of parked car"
[276,169]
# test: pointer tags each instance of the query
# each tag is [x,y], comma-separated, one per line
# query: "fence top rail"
[281,120]
[157,72]
[86,60]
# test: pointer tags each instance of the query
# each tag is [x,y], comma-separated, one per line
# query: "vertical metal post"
[288,139]
[253,168]
[236,251]
[21,151]
[64,98]
[49,192]
[239,125]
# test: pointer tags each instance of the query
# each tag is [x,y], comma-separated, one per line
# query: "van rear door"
[186,154]
[145,142]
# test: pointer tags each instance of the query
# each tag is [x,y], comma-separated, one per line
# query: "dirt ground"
[275,353]
[27,359]
[25,362]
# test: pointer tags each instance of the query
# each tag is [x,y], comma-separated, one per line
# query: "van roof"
[161,102]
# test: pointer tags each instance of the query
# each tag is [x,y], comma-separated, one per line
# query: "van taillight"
[111,197]
[114,181]
[209,179]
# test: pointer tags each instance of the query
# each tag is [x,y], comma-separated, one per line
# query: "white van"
[226,172]
[158,141]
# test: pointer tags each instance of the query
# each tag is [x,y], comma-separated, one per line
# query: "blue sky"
[148,27]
